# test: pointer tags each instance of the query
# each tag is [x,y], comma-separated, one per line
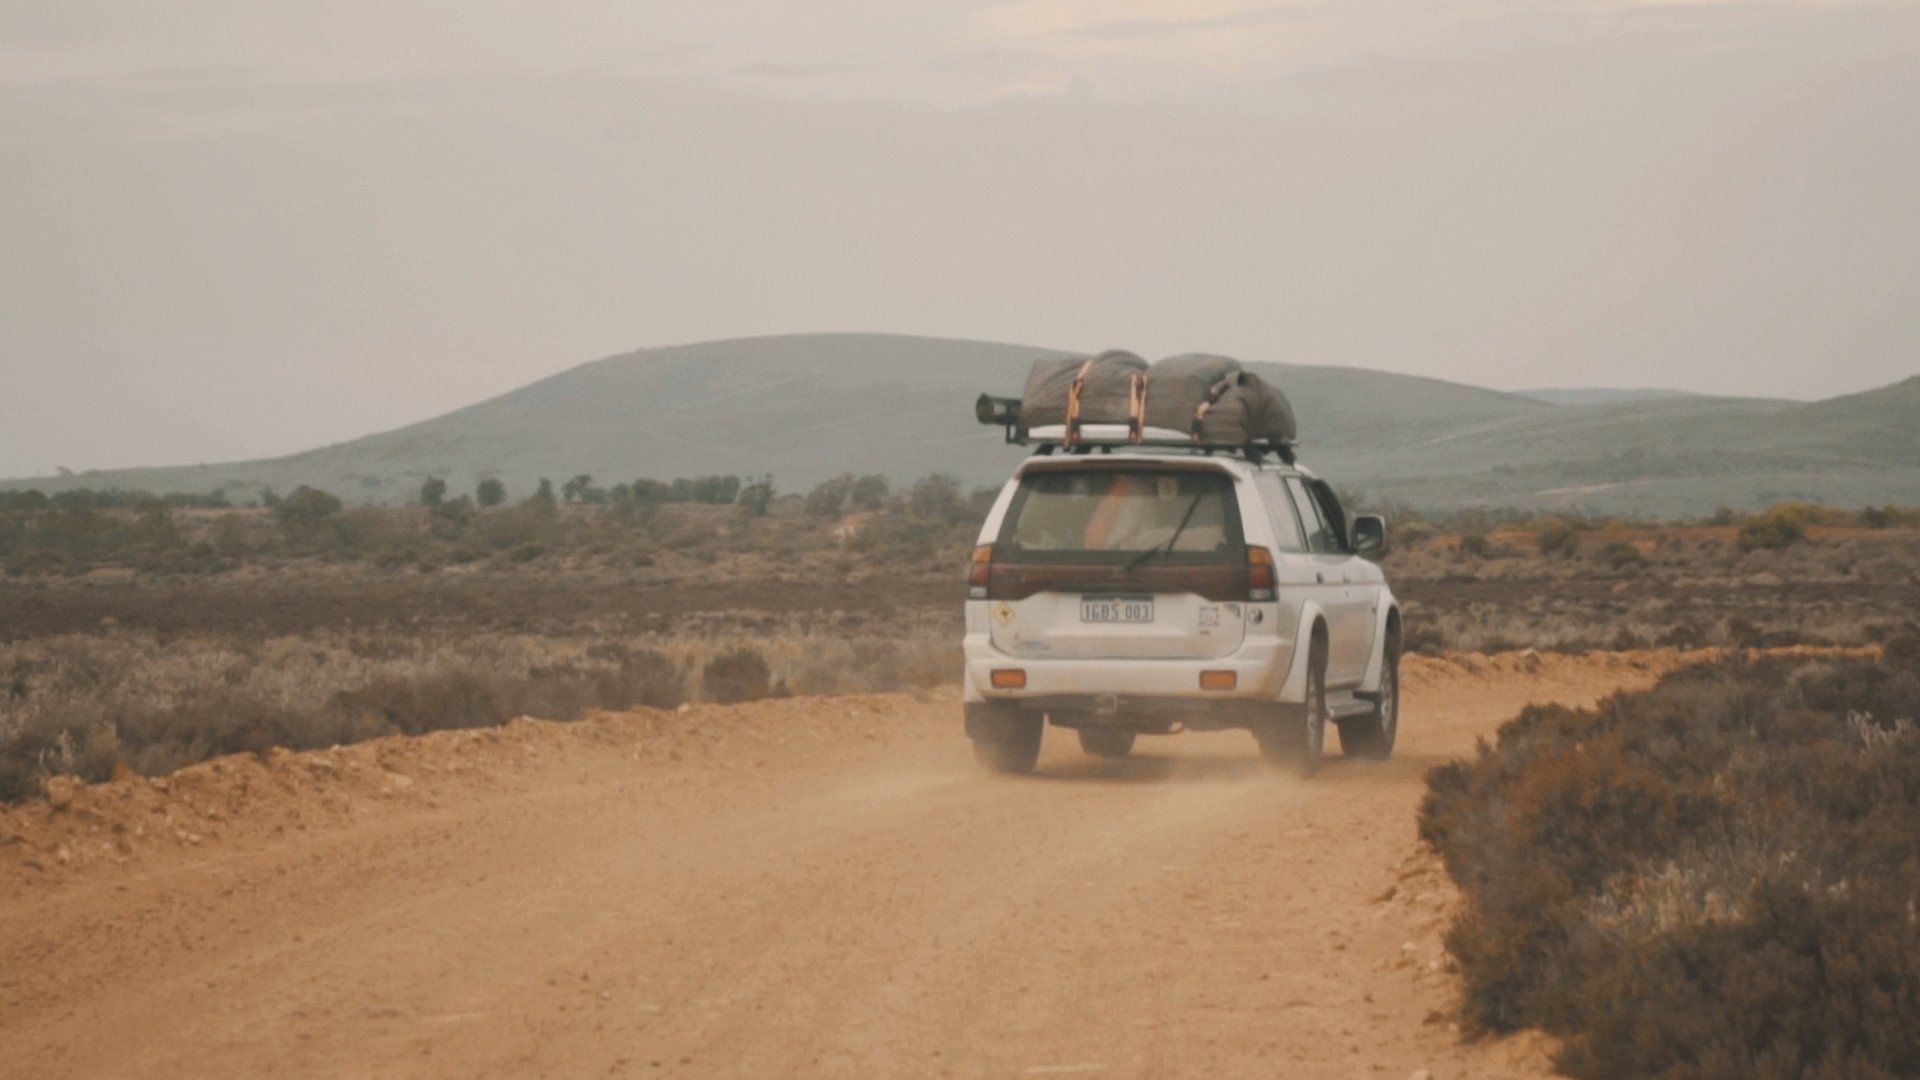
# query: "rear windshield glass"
[1111,515]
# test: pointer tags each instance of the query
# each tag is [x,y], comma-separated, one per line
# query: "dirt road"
[823,887]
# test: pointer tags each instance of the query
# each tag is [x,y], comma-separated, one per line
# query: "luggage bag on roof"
[1103,389]
[1216,401]
[1211,400]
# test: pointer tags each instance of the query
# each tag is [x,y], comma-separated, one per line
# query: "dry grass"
[1682,587]
[90,704]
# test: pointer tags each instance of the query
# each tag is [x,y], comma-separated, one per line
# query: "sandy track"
[803,888]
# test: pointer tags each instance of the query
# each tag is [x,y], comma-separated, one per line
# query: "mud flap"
[994,721]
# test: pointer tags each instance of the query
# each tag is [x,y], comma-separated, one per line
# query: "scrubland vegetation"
[1716,878]
[145,633]
[1566,585]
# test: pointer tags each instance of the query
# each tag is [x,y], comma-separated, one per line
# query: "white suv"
[1121,590]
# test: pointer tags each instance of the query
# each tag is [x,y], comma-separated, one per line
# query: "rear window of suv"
[1101,516]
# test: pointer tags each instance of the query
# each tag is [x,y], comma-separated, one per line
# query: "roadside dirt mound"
[244,798]
[821,887]
[1547,668]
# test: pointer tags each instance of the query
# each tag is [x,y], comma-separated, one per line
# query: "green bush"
[306,510]
[1711,879]
[580,489]
[25,502]
[869,492]
[449,519]
[1771,533]
[1620,555]
[937,499]
[828,499]
[755,498]
[1558,537]
[1414,534]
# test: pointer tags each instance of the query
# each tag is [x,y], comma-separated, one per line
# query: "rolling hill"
[806,407]
[1598,395]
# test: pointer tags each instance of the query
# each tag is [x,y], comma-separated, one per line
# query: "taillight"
[1009,678]
[1260,580]
[979,571]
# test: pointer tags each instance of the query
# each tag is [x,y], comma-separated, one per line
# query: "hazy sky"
[234,228]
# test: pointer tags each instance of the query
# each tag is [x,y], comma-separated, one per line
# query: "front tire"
[1106,742]
[1373,736]
[1295,740]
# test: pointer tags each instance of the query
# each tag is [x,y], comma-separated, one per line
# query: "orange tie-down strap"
[1214,394]
[1137,408]
[1073,404]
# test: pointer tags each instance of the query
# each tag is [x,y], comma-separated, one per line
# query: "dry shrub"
[84,704]
[433,701]
[1622,556]
[1714,878]
[737,675]
[44,747]
[1784,525]
[877,665]
[1558,537]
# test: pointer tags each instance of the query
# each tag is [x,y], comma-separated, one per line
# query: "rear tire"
[1013,749]
[1107,742]
[1373,736]
[1295,739]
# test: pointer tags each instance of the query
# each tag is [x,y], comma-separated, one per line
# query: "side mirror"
[1369,534]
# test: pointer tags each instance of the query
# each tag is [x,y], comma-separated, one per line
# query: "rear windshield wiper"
[1167,548]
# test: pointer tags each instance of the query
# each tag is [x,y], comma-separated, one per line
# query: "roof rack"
[1004,413]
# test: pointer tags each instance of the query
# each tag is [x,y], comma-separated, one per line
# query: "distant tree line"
[109,499]
[711,490]
[75,531]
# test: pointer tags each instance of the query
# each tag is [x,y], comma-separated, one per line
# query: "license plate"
[1116,609]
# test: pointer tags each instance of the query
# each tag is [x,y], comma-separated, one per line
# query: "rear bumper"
[1259,667]
[1253,679]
